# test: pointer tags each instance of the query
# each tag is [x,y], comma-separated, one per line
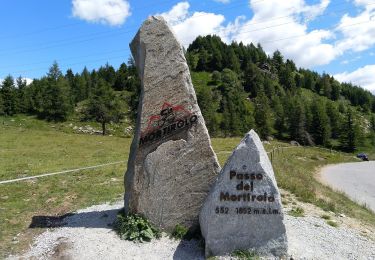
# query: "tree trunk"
[103,127]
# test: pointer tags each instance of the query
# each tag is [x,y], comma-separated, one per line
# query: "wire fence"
[60,172]
[272,154]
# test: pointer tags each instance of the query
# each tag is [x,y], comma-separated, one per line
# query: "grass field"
[30,147]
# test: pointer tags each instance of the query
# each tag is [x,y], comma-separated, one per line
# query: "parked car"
[363,156]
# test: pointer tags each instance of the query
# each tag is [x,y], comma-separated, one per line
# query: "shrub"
[135,228]
[179,231]
[297,212]
[245,255]
[332,223]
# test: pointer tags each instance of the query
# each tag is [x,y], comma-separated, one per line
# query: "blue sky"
[336,37]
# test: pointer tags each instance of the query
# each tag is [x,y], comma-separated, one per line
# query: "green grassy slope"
[34,147]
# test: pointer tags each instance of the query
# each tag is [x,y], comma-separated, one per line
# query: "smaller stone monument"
[243,209]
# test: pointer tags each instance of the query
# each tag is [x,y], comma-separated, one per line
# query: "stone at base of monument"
[243,210]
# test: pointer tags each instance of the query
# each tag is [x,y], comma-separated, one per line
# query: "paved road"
[357,180]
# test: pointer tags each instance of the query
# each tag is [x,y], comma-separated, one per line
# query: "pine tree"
[57,103]
[9,96]
[233,62]
[209,104]
[253,80]
[1,106]
[237,117]
[279,115]
[103,105]
[107,73]
[335,93]
[320,124]
[334,119]
[85,83]
[203,60]
[277,60]
[34,96]
[263,116]
[121,78]
[73,88]
[21,94]
[349,133]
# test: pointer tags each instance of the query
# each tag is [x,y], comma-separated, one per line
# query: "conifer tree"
[21,94]
[121,78]
[209,104]
[334,119]
[237,117]
[1,106]
[253,80]
[103,105]
[279,116]
[263,117]
[297,121]
[57,104]
[320,124]
[9,96]
[233,62]
[349,133]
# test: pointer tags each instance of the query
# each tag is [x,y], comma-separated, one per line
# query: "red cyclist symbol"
[167,116]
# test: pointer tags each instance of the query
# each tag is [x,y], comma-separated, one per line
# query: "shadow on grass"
[93,219]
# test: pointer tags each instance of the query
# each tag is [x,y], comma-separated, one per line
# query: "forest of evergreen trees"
[247,89]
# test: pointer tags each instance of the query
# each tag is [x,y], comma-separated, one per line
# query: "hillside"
[29,146]
[238,88]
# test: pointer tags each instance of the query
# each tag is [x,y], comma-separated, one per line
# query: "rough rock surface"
[243,209]
[171,164]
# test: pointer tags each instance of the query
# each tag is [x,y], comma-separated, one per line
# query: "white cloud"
[177,14]
[188,26]
[364,77]
[278,25]
[368,4]
[272,20]
[358,32]
[28,81]
[112,12]
[282,25]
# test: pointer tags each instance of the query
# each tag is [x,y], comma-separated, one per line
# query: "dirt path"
[357,180]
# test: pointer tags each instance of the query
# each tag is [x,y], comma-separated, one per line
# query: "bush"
[179,231]
[297,212]
[135,228]
[245,255]
[332,223]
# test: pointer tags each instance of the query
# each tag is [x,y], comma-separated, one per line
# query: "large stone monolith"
[171,165]
[243,210]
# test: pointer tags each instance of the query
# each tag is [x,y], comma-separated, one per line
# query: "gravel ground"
[88,235]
